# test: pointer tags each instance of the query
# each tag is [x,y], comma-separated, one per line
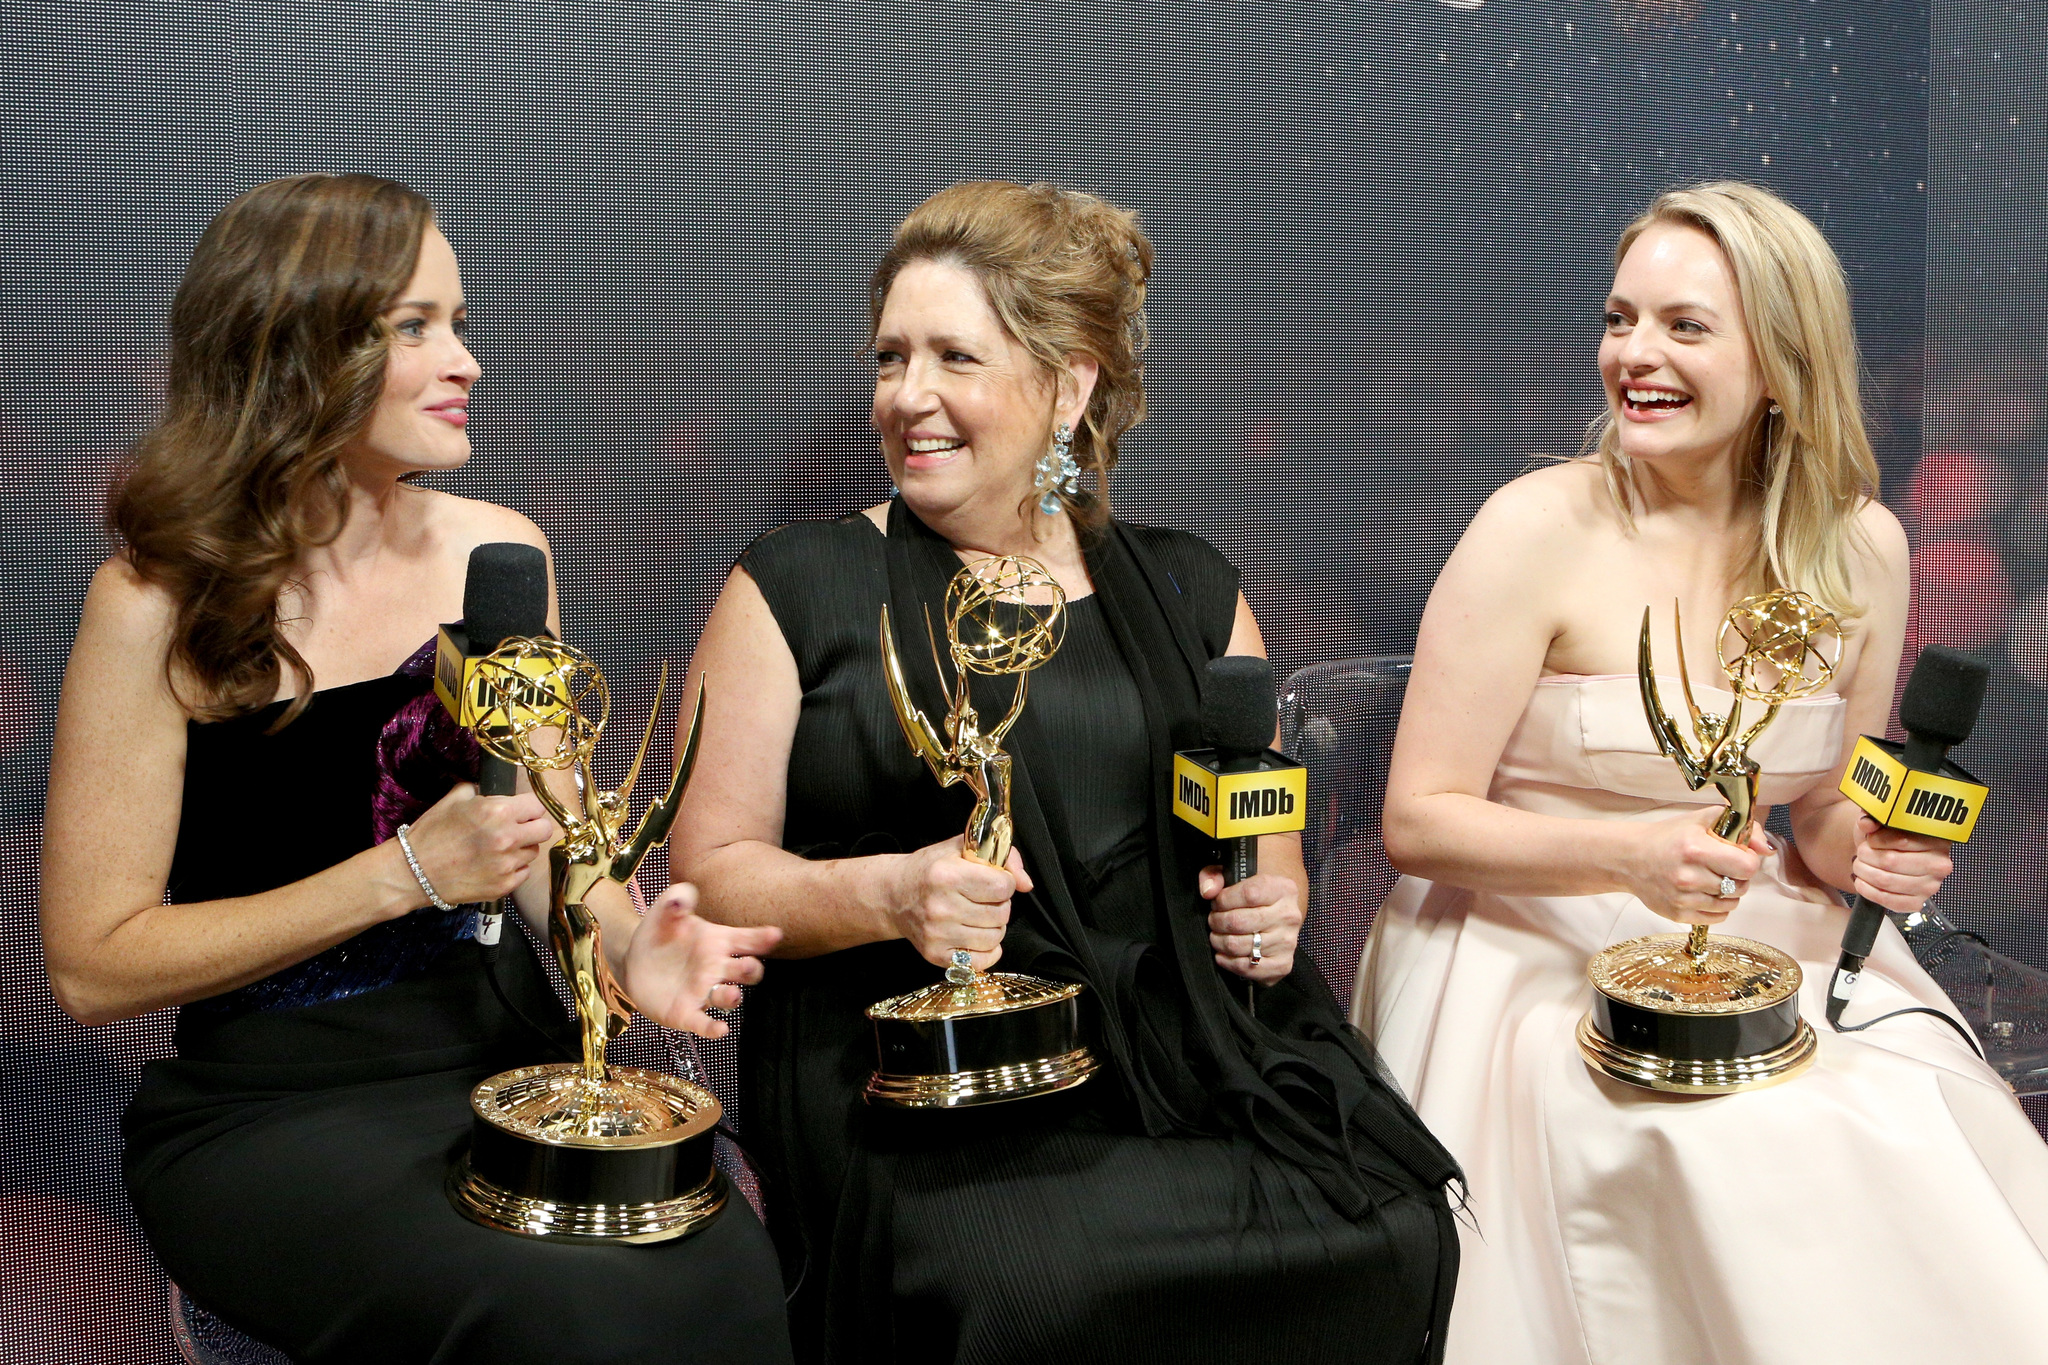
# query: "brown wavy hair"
[277,352]
[1066,273]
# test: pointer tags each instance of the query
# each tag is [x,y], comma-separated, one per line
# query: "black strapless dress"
[1227,1188]
[288,1166]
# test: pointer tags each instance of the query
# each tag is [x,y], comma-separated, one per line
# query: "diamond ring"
[1258,949]
[1728,888]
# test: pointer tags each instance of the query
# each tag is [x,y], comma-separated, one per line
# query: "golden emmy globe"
[1700,1014]
[584,1151]
[979,1037]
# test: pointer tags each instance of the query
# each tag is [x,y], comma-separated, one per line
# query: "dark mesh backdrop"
[1977,504]
[1383,229]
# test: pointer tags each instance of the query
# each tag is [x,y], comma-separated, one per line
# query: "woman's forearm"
[821,906]
[1826,837]
[1481,845]
[174,954]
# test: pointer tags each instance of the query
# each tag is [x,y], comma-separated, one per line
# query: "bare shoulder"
[465,523]
[1884,549]
[1548,510]
[124,640]
[125,610]
[1564,490]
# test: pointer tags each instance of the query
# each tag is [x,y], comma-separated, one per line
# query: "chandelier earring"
[1057,471]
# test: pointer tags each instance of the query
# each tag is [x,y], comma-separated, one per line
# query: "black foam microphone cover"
[1237,705]
[505,595]
[1940,704]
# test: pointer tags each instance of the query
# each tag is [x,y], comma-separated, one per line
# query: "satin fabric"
[1889,1207]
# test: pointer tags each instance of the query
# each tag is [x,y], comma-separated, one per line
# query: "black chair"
[2004,1001]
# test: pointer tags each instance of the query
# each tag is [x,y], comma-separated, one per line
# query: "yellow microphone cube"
[455,682]
[1269,796]
[1944,804]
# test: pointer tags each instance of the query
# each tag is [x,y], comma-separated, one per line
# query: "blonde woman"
[1892,1204]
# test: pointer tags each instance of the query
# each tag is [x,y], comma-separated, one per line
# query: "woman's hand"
[678,967]
[945,901]
[1268,905]
[1899,871]
[1678,867]
[478,848]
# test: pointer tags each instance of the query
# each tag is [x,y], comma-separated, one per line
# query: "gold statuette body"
[584,1151]
[979,1037]
[1694,1013]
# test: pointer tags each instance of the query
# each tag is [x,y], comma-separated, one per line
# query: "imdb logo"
[1944,804]
[1270,799]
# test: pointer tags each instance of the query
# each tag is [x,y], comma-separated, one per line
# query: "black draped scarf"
[1296,1079]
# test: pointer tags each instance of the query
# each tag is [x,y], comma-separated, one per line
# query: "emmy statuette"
[583,1151]
[979,1037]
[1694,1014]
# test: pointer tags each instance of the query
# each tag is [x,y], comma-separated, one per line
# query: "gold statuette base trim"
[988,993]
[1659,973]
[660,1221]
[1683,1076]
[990,1085]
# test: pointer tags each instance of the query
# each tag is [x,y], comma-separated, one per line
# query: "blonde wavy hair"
[1811,467]
[1066,273]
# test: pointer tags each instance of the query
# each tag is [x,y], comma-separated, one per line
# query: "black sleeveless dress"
[1228,1188]
[288,1166]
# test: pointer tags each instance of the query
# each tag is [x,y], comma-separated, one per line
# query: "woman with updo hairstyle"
[260,813]
[1231,1186]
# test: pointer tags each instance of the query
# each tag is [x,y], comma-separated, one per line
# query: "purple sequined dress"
[288,1166]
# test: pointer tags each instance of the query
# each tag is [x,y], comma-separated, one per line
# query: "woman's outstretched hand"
[945,901]
[678,967]
[1899,871]
[479,848]
[1679,864]
[1268,905]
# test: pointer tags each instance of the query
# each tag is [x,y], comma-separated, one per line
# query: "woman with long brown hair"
[259,813]
[1889,1206]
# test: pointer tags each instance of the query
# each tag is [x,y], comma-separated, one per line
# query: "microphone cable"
[1965,1033]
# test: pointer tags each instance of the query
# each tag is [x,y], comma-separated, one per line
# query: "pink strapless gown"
[1889,1207]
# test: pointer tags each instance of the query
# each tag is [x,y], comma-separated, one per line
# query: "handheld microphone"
[1235,788]
[504,597]
[1913,786]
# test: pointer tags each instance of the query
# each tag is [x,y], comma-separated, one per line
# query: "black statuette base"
[977,1059]
[1697,1037]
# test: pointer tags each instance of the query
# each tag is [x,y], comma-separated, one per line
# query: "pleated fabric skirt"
[1000,1238]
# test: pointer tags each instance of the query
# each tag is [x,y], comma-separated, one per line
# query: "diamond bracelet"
[405,847]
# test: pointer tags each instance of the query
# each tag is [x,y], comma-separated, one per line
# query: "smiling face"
[421,418]
[963,409]
[1682,378]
